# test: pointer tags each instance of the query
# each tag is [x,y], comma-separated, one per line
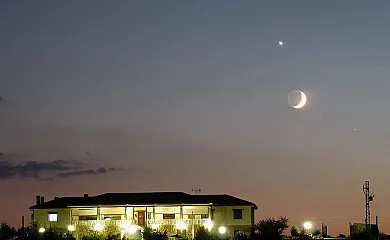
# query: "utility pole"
[369,198]
[22,222]
[196,191]
[377,228]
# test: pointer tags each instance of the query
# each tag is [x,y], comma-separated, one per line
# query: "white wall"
[63,218]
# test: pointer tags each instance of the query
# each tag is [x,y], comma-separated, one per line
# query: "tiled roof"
[146,198]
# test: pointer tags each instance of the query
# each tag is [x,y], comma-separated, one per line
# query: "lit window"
[53,217]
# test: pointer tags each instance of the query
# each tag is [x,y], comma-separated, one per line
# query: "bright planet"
[297,99]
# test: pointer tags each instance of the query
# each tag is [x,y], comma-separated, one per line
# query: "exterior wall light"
[70,228]
[181,225]
[222,230]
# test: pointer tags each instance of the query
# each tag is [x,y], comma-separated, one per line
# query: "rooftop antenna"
[196,191]
[369,198]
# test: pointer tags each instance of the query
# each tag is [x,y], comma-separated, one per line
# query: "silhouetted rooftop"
[146,198]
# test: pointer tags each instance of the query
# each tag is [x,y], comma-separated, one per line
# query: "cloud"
[33,169]
[101,170]
[40,170]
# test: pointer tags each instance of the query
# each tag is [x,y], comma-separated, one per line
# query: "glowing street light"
[222,230]
[70,228]
[307,225]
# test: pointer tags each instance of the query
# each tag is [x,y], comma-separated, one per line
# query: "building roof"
[145,198]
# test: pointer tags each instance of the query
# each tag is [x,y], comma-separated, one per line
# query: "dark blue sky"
[194,94]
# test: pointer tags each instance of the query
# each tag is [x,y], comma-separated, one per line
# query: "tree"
[203,234]
[6,231]
[271,229]
[295,232]
[316,232]
[241,236]
[150,234]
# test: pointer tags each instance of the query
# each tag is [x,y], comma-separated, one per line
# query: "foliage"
[6,231]
[203,234]
[150,234]
[241,236]
[271,229]
[316,232]
[295,232]
[169,229]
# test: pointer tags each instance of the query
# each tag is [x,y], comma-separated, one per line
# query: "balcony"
[176,221]
[94,223]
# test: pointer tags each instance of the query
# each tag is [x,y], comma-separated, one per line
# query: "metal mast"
[196,191]
[369,198]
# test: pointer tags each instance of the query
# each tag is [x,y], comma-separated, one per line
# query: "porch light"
[98,227]
[132,229]
[41,230]
[155,225]
[209,225]
[222,230]
[70,228]
[181,225]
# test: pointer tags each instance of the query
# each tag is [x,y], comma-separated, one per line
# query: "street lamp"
[307,225]
[222,230]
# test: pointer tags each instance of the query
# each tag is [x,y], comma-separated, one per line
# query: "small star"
[354,129]
[281,43]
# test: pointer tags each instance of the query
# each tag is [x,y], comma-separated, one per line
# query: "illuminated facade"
[176,212]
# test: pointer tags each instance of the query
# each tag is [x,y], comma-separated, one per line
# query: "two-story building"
[176,212]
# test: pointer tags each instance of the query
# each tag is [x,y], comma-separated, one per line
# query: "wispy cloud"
[101,170]
[46,170]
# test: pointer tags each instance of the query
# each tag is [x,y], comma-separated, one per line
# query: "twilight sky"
[124,96]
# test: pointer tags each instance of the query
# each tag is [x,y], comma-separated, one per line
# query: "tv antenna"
[369,198]
[196,191]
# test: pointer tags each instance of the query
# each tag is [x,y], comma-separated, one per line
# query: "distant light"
[222,230]
[71,228]
[281,43]
[107,219]
[41,230]
[354,129]
[307,225]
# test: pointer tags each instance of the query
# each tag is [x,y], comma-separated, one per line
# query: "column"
[126,213]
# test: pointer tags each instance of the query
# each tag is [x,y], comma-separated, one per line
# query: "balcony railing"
[92,223]
[150,222]
[176,221]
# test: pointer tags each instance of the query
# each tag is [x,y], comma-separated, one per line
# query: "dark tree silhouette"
[6,231]
[316,232]
[203,234]
[295,232]
[241,236]
[271,229]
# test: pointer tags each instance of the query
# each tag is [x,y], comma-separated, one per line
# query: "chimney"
[42,200]
[55,198]
[38,200]
[85,194]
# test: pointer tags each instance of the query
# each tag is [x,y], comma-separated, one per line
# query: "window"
[204,216]
[53,217]
[168,216]
[237,213]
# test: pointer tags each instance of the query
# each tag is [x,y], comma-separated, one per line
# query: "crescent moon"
[302,102]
